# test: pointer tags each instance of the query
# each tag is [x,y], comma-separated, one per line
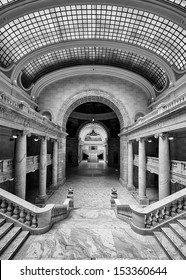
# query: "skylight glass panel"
[55,25]
[94,56]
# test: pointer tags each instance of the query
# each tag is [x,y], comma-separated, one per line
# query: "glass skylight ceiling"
[94,56]
[80,22]
[181,3]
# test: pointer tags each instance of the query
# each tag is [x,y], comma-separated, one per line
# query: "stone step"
[182,222]
[168,247]
[179,230]
[14,246]
[176,241]
[8,238]
[2,221]
[5,228]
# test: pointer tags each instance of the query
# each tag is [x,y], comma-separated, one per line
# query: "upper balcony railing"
[161,108]
[25,109]
[177,168]
[7,166]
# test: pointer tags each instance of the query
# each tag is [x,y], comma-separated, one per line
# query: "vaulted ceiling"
[39,37]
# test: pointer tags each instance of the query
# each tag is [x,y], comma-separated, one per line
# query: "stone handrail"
[30,217]
[177,168]
[25,109]
[144,221]
[122,211]
[161,108]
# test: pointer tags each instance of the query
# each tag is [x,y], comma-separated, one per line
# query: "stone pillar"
[20,165]
[123,160]
[43,168]
[164,166]
[54,163]
[62,160]
[142,173]
[130,185]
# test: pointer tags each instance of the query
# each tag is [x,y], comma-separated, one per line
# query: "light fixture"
[171,138]
[36,139]
[14,136]
[150,140]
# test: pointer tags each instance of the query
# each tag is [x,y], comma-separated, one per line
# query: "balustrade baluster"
[3,207]
[167,212]
[28,219]
[22,216]
[34,221]
[174,207]
[10,209]
[160,214]
[154,219]
[16,213]
[180,205]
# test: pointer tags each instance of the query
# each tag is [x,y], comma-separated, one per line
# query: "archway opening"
[93,129]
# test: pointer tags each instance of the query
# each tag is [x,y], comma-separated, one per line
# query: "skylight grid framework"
[81,22]
[94,56]
[181,3]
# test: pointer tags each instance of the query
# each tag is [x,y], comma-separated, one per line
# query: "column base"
[41,199]
[131,188]
[123,183]
[143,200]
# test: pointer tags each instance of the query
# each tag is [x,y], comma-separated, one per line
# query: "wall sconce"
[171,138]
[36,139]
[149,140]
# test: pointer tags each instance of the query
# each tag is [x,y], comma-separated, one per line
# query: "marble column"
[164,166]
[20,165]
[142,173]
[54,163]
[130,185]
[43,168]
[62,160]
[123,160]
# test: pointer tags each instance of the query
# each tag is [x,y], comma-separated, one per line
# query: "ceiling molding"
[94,70]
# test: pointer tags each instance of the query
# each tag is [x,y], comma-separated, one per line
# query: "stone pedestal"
[54,163]
[142,173]
[43,169]
[130,185]
[20,166]
[164,166]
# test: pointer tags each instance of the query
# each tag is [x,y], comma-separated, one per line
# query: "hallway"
[92,230]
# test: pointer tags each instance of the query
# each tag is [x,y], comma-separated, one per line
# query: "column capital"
[163,135]
[54,140]
[21,132]
[141,139]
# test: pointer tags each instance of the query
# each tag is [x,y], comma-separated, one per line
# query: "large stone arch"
[93,95]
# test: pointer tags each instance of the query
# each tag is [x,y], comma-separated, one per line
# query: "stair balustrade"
[153,216]
[30,217]
[148,219]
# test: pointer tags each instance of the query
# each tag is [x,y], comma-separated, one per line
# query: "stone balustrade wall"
[155,215]
[30,217]
[7,167]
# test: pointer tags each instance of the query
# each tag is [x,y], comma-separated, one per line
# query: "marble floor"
[92,230]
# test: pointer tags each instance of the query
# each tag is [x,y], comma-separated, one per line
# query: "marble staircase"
[11,239]
[172,239]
